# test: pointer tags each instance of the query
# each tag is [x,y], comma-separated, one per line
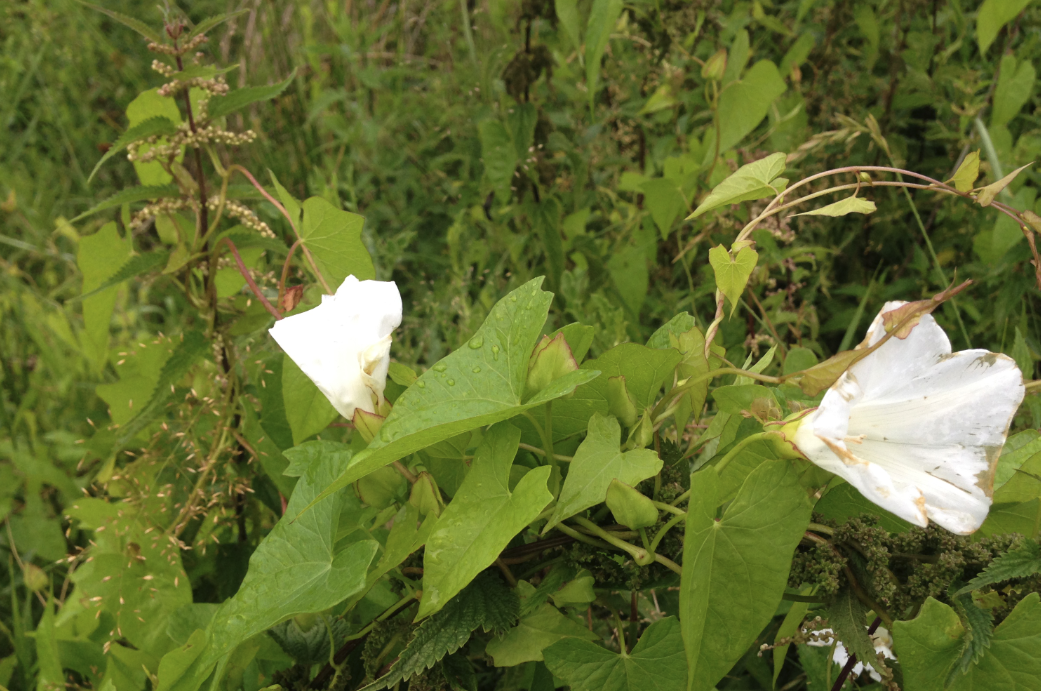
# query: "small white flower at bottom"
[883,644]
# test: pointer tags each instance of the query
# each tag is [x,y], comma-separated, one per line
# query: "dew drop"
[513,298]
[477,370]
[421,384]
[440,367]
[476,342]
[495,352]
[451,382]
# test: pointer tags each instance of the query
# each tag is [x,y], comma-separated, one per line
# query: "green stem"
[741,445]
[674,521]
[669,564]
[639,555]
[669,507]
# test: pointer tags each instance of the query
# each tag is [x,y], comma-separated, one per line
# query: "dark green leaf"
[152,127]
[533,634]
[240,98]
[129,196]
[1021,562]
[848,619]
[135,266]
[135,24]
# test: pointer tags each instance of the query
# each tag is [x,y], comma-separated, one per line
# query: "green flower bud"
[619,402]
[551,359]
[630,508]
[36,579]
[381,488]
[715,66]
[425,495]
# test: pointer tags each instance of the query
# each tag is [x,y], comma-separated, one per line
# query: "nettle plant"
[520,516]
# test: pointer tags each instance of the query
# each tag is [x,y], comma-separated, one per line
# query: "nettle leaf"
[240,98]
[596,463]
[931,645]
[849,205]
[965,177]
[481,519]
[152,127]
[211,22]
[129,196]
[334,238]
[486,603]
[533,634]
[135,266]
[655,664]
[135,24]
[732,273]
[848,619]
[296,569]
[979,631]
[1021,562]
[751,181]
[735,569]
[479,384]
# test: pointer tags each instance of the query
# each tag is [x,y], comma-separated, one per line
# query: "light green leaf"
[296,569]
[151,127]
[334,238]
[744,104]
[240,98]
[308,411]
[479,384]
[732,273]
[930,645]
[597,462]
[991,16]
[662,98]
[628,269]
[1015,84]
[206,24]
[1018,449]
[655,664]
[533,634]
[567,15]
[602,18]
[148,105]
[135,24]
[751,181]
[965,177]
[987,194]
[135,266]
[849,205]
[49,673]
[99,257]
[481,519]
[737,398]
[1022,355]
[630,507]
[735,569]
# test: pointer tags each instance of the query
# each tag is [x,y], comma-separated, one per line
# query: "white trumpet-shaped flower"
[343,344]
[917,429]
[880,638]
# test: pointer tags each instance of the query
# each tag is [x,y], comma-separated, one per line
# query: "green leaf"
[499,157]
[151,127]
[991,16]
[979,632]
[206,24]
[1018,449]
[481,519]
[147,105]
[479,384]
[129,196]
[1021,562]
[655,664]
[1015,84]
[567,15]
[486,603]
[732,273]
[334,238]
[596,463]
[744,104]
[630,507]
[98,257]
[737,398]
[848,619]
[965,177]
[308,411]
[735,569]
[751,181]
[931,645]
[665,201]
[135,24]
[296,569]
[1021,354]
[533,634]
[849,205]
[135,266]
[49,674]
[789,626]
[987,194]
[602,19]
[240,98]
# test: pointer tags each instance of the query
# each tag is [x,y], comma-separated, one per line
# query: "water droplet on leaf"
[440,367]
[476,342]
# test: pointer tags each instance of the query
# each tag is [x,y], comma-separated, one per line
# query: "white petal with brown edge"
[918,429]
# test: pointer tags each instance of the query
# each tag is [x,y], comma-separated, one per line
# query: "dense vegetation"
[153,435]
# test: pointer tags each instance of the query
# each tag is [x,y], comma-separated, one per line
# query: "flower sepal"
[782,435]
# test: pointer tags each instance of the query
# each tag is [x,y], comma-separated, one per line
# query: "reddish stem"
[249,279]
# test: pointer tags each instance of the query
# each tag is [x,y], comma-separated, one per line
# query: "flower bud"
[551,359]
[381,488]
[715,66]
[630,508]
[36,579]
[619,402]
[425,495]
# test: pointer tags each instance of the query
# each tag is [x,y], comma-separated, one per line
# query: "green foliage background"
[485,143]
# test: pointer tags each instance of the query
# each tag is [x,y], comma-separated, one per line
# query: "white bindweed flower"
[883,644]
[343,344]
[917,429]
